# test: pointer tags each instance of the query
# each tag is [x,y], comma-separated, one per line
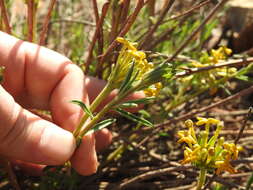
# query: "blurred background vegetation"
[167,30]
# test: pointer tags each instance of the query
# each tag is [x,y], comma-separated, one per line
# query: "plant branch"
[5,17]
[156,25]
[197,30]
[204,109]
[100,34]
[243,126]
[31,19]
[43,33]
[189,11]
[95,36]
[126,28]
[232,63]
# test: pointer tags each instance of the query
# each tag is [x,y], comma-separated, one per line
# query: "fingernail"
[57,144]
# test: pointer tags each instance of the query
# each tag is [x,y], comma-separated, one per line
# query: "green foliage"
[101,125]
[249,182]
[85,108]
[134,118]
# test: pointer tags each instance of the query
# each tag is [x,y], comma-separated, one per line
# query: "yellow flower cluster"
[204,152]
[215,56]
[153,90]
[220,54]
[129,55]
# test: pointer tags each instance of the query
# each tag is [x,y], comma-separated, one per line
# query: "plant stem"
[102,95]
[109,106]
[202,178]
[98,117]
[46,23]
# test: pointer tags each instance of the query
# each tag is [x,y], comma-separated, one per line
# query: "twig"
[30,19]
[46,23]
[226,64]
[126,28]
[243,125]
[95,9]
[100,34]
[156,25]
[194,33]
[151,8]
[123,18]
[84,22]
[5,17]
[221,102]
[151,174]
[116,15]
[163,36]
[95,36]
[11,174]
[190,11]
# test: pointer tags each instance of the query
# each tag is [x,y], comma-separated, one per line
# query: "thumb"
[25,136]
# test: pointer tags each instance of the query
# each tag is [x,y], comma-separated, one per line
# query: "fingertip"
[103,139]
[84,160]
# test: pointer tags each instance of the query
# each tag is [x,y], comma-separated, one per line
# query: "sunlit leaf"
[133,117]
[85,108]
[101,125]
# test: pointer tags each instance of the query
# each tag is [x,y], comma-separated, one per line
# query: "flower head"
[129,55]
[142,72]
[211,76]
[204,152]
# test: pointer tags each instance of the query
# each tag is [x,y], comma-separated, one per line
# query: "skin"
[38,78]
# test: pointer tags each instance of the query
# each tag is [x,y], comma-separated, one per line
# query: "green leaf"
[163,134]
[134,103]
[244,78]
[249,182]
[133,117]
[144,113]
[127,105]
[101,125]
[85,108]
[127,81]
[141,100]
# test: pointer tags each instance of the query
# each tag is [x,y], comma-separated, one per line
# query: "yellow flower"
[224,165]
[127,56]
[153,90]
[126,44]
[185,136]
[232,149]
[207,121]
[190,155]
[220,54]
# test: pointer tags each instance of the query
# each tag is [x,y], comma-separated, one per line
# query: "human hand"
[39,78]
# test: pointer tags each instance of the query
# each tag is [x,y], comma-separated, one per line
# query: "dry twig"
[196,31]
[43,33]
[5,17]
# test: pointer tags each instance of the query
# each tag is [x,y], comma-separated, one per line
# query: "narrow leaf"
[126,81]
[133,117]
[128,105]
[249,182]
[85,108]
[141,100]
[101,125]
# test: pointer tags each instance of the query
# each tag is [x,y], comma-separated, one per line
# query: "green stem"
[102,95]
[98,117]
[105,110]
[202,178]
